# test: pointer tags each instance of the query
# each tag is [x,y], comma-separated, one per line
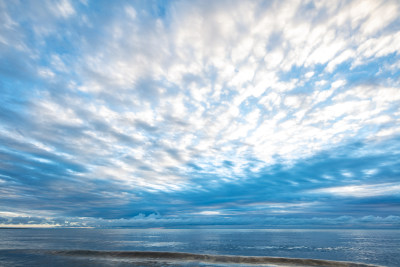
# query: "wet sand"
[206,258]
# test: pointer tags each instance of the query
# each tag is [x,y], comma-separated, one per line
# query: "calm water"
[29,247]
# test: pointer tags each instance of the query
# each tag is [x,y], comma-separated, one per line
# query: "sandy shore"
[181,256]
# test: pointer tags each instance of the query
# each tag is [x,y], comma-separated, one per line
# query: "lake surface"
[37,247]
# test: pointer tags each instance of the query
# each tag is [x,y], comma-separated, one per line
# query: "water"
[38,247]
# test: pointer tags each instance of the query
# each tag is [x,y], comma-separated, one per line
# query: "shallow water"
[30,247]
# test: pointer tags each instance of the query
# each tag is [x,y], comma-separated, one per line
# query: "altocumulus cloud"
[179,113]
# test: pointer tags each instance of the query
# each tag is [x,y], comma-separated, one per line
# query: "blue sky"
[200,113]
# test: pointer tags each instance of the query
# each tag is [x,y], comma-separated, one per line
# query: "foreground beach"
[158,258]
[184,258]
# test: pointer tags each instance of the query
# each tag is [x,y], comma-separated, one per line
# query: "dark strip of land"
[182,256]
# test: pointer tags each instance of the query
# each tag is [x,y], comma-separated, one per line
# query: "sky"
[200,113]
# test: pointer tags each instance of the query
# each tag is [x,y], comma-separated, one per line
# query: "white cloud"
[208,212]
[371,190]
[379,17]
[64,8]
[342,57]
[309,74]
[131,12]
[165,91]
[206,218]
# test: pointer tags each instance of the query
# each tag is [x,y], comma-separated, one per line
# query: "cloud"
[370,190]
[245,106]
[154,220]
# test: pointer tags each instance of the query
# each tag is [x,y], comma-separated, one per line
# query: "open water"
[117,247]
